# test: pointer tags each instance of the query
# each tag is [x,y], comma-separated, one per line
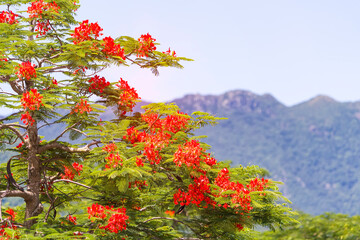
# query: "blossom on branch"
[82,107]
[97,83]
[86,31]
[32,100]
[8,17]
[112,49]
[26,70]
[146,45]
[128,96]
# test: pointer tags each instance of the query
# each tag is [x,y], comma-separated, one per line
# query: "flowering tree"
[138,176]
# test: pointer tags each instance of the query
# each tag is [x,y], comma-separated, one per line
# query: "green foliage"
[325,226]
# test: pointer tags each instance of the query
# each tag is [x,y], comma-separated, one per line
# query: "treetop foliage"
[137,176]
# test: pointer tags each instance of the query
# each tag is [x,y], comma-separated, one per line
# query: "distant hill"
[313,147]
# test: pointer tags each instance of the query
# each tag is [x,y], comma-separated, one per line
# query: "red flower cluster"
[21,144]
[146,45]
[72,219]
[192,155]
[82,107]
[112,49]
[8,17]
[170,213]
[3,59]
[117,217]
[96,211]
[26,70]
[79,70]
[26,118]
[198,193]
[97,83]
[241,198]
[86,31]
[139,162]
[154,142]
[32,100]
[110,148]
[39,9]
[12,214]
[172,123]
[138,184]
[69,174]
[128,96]
[49,186]
[158,137]
[170,53]
[113,158]
[3,234]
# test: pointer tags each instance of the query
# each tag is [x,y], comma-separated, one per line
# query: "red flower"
[98,83]
[139,162]
[26,118]
[82,107]
[198,193]
[112,49]
[8,17]
[22,143]
[117,221]
[146,45]
[168,52]
[110,148]
[113,160]
[138,184]
[96,211]
[26,70]
[69,174]
[86,31]
[128,96]
[12,214]
[38,10]
[170,213]
[32,100]
[72,219]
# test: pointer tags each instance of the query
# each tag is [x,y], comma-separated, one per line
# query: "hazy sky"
[291,49]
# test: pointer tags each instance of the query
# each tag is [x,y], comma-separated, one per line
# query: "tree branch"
[70,181]
[56,145]
[14,130]
[67,129]
[15,193]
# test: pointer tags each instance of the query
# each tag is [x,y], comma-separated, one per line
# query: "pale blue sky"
[291,49]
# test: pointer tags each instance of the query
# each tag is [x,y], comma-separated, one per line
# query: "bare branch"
[14,130]
[15,193]
[56,145]
[55,68]
[67,129]
[70,181]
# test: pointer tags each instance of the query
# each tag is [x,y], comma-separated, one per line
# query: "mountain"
[313,147]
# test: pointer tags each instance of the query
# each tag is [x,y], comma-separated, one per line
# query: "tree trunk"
[33,205]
